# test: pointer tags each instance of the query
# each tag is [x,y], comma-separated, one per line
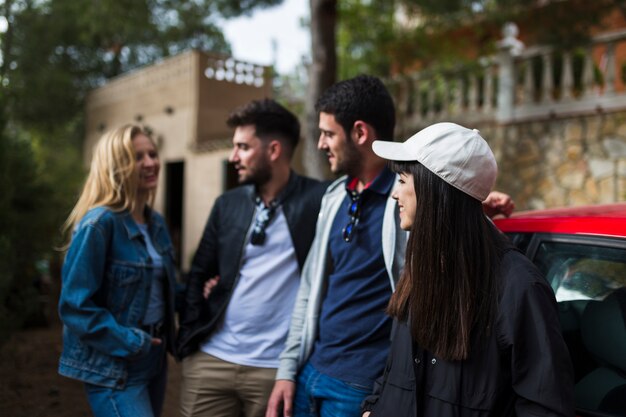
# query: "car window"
[588,276]
[520,240]
[578,271]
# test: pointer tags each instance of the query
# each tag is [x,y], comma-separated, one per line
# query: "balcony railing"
[517,84]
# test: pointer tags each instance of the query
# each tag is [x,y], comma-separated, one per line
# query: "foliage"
[54,51]
[452,10]
[395,36]
[365,35]
[47,68]
[25,223]
[230,8]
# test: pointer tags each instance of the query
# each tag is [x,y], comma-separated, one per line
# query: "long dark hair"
[448,291]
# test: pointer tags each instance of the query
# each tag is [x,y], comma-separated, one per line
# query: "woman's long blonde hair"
[112,181]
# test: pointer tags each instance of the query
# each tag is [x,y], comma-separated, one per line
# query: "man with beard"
[339,335]
[246,271]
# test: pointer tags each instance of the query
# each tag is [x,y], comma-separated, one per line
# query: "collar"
[382,184]
[291,184]
[130,225]
[132,229]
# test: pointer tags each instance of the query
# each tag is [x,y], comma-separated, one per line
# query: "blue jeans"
[144,391]
[319,395]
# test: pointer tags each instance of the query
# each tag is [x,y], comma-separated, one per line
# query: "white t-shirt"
[257,317]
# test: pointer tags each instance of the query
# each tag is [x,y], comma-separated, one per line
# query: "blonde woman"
[117,298]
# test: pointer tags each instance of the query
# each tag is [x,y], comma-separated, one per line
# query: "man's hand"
[498,203]
[208,286]
[281,399]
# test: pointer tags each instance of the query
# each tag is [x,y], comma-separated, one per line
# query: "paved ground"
[31,387]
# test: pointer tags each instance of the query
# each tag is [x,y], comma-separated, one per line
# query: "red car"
[582,253]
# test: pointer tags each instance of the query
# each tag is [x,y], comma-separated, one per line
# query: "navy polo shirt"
[353,337]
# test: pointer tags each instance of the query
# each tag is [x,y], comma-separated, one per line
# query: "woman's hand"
[208,286]
[366,414]
[498,203]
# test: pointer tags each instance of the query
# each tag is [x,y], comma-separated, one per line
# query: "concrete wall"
[204,185]
[144,97]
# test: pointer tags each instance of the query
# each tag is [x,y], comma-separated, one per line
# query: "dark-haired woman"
[476,330]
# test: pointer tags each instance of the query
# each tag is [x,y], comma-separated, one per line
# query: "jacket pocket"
[397,398]
[86,359]
[123,281]
[463,385]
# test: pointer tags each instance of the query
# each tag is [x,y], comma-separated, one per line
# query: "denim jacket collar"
[133,229]
[131,226]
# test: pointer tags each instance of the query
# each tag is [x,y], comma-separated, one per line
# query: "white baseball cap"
[458,155]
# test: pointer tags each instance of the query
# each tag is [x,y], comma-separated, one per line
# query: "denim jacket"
[107,277]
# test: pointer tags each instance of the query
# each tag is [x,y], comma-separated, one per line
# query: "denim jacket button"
[121,381]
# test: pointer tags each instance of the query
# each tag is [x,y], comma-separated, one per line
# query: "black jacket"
[523,370]
[221,248]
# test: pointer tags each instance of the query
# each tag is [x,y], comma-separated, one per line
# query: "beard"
[350,162]
[258,175]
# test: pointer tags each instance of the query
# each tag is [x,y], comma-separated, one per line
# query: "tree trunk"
[322,74]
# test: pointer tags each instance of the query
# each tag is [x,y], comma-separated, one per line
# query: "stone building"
[184,101]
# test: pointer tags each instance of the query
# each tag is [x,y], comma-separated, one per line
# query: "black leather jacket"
[221,248]
[523,371]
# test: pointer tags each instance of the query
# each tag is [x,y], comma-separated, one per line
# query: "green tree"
[25,224]
[396,36]
[365,36]
[53,51]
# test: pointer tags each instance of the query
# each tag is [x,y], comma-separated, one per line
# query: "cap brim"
[393,151]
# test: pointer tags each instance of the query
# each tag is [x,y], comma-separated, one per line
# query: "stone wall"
[561,162]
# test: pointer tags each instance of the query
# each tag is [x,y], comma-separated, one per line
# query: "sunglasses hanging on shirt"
[264,215]
[354,211]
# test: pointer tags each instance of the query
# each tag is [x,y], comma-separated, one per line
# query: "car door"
[588,276]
